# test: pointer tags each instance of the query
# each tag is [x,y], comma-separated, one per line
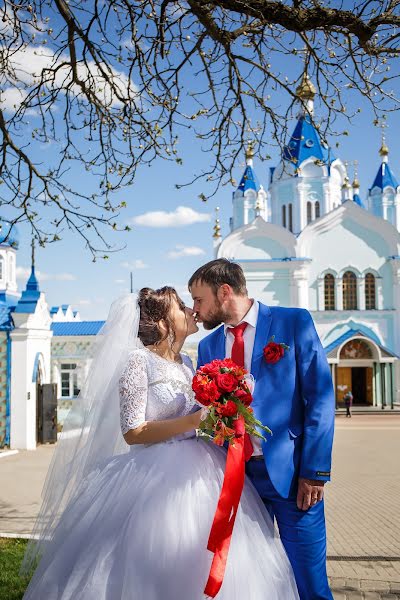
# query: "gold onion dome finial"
[217,227]
[356,182]
[384,150]
[250,150]
[306,90]
[346,183]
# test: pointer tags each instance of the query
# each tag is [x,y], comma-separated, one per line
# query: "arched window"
[309,213]
[370,292]
[290,209]
[329,292]
[317,210]
[349,291]
[284,215]
[2,274]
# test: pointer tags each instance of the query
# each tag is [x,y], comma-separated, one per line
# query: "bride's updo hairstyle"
[155,306]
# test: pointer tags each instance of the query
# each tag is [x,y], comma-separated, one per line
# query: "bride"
[127,517]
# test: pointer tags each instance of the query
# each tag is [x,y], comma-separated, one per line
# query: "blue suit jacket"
[294,397]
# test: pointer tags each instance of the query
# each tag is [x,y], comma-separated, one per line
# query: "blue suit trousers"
[303,534]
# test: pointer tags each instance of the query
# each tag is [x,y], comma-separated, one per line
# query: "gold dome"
[356,183]
[217,227]
[384,150]
[306,90]
[346,184]
[250,151]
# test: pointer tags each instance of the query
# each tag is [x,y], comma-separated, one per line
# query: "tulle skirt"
[138,530]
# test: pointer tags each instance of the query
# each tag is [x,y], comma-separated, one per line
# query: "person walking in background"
[348,402]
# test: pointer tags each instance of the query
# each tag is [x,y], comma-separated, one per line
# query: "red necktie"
[237,356]
[238,344]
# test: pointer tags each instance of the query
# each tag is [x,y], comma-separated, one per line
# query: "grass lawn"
[12,586]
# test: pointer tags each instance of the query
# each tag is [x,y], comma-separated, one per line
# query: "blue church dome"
[249,180]
[306,143]
[9,235]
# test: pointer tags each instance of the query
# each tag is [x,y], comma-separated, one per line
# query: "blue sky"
[169,254]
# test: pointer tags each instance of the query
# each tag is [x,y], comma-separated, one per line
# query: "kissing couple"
[131,493]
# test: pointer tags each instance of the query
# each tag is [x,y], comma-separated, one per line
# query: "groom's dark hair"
[217,272]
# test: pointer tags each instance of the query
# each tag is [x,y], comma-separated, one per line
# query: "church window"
[290,209]
[356,349]
[69,380]
[284,215]
[317,210]
[329,292]
[370,303]
[349,291]
[309,213]
[1,267]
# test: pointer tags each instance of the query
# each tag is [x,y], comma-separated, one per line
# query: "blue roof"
[306,143]
[6,322]
[30,296]
[349,334]
[11,231]
[77,327]
[249,180]
[384,178]
[357,200]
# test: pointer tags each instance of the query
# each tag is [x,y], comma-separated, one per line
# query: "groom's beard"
[215,317]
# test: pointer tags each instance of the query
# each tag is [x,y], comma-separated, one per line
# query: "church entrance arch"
[355,372]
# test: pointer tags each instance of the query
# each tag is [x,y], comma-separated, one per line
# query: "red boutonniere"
[274,351]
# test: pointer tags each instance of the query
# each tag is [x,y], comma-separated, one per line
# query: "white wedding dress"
[139,527]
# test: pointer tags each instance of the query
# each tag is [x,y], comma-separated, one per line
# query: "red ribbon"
[228,504]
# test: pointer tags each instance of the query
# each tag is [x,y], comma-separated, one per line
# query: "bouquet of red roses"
[222,386]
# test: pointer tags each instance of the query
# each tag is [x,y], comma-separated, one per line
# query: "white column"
[320,294]
[361,293]
[339,293]
[379,293]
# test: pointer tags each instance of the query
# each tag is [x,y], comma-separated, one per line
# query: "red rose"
[205,390]
[273,352]
[212,369]
[245,397]
[226,382]
[228,410]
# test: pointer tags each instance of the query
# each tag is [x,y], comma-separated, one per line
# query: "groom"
[293,396]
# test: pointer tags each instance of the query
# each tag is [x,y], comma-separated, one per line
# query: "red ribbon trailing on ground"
[228,504]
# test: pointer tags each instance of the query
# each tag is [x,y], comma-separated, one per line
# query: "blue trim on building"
[351,333]
[35,367]
[76,327]
[261,260]
[30,296]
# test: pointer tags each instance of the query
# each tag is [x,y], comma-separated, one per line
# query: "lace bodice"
[152,388]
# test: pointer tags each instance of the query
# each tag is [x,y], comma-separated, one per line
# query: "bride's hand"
[199,416]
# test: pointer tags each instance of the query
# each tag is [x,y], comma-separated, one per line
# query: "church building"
[308,240]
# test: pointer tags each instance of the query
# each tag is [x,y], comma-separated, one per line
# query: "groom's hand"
[310,491]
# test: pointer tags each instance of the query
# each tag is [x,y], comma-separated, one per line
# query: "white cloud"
[27,64]
[11,98]
[83,303]
[180,217]
[24,273]
[135,264]
[181,251]
[120,281]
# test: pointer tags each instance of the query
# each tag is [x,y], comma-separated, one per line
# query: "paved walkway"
[362,504]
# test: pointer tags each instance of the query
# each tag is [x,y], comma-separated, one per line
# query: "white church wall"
[25,346]
[270,286]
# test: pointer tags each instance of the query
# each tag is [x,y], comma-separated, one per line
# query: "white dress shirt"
[248,337]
